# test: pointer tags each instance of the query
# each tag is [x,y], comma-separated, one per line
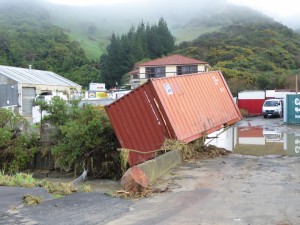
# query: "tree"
[137,44]
[17,148]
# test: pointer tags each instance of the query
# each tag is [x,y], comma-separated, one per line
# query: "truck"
[272,108]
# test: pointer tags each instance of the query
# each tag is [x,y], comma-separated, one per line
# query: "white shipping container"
[252,94]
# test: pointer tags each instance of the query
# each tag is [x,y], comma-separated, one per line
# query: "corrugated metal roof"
[31,76]
[183,107]
[172,60]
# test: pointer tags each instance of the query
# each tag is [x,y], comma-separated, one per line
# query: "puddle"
[257,141]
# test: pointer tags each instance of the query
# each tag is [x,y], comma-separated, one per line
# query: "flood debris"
[145,193]
[195,150]
[31,200]
[61,188]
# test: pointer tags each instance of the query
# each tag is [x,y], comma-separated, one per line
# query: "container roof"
[31,76]
[172,60]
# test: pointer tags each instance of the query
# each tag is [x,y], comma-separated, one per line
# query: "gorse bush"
[84,138]
[17,147]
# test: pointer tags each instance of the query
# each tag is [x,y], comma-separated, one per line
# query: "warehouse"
[19,87]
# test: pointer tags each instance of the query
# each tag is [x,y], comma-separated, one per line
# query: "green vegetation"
[26,180]
[28,38]
[251,55]
[17,147]
[18,180]
[83,138]
[80,137]
[123,52]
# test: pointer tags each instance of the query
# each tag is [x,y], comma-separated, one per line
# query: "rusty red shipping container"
[182,107]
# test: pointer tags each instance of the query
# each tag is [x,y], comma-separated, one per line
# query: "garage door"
[28,95]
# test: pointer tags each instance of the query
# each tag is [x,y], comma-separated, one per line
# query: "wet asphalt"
[78,208]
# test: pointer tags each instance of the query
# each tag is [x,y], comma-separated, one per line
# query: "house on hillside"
[20,86]
[168,66]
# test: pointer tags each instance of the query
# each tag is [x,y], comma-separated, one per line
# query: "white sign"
[97,87]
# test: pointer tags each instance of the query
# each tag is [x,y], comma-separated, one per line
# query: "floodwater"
[97,185]
[259,137]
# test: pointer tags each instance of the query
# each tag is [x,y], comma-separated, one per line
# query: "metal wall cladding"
[184,107]
[293,109]
[252,106]
[137,123]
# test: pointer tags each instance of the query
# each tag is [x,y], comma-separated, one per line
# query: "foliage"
[124,51]
[17,147]
[84,138]
[27,37]
[251,55]
[27,180]
[18,180]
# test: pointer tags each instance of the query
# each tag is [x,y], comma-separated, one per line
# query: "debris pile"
[196,149]
[147,192]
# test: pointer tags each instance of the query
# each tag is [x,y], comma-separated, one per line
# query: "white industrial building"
[20,86]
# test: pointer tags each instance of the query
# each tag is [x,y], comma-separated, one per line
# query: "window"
[155,72]
[187,69]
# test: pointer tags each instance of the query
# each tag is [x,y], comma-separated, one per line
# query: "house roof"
[172,60]
[31,76]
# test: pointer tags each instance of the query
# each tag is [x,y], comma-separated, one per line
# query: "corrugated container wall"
[183,107]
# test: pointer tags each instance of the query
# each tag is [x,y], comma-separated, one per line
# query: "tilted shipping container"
[182,107]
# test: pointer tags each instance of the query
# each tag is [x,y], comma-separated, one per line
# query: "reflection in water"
[256,141]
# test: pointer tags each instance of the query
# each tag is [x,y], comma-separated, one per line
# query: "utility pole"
[296,84]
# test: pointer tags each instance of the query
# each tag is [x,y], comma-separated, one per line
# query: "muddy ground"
[235,189]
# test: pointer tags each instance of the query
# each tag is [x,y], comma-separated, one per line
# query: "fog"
[286,12]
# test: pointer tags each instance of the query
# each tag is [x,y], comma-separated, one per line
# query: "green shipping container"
[293,109]
[293,144]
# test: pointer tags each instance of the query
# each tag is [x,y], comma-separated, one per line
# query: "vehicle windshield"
[271,103]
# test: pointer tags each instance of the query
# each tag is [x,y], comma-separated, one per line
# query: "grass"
[18,180]
[27,181]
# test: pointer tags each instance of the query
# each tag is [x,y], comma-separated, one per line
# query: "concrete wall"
[160,165]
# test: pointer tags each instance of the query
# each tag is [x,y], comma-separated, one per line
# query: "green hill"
[252,55]
[27,37]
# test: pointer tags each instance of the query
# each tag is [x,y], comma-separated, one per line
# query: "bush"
[17,147]
[84,139]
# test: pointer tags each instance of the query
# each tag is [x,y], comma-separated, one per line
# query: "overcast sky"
[285,11]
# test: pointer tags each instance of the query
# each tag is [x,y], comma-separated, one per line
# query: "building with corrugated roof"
[168,66]
[20,86]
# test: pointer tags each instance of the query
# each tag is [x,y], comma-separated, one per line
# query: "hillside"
[93,26]
[252,50]
[27,37]
[252,55]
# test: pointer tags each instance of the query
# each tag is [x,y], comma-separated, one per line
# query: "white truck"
[272,107]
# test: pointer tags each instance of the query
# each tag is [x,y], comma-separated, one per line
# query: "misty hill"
[93,26]
[261,54]
[252,50]
[27,37]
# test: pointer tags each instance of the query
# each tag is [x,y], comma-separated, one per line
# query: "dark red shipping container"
[182,107]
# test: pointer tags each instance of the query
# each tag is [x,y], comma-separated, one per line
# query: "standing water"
[258,137]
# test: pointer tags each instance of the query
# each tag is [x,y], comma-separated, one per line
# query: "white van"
[272,107]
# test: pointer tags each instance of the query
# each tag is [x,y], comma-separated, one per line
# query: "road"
[234,189]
